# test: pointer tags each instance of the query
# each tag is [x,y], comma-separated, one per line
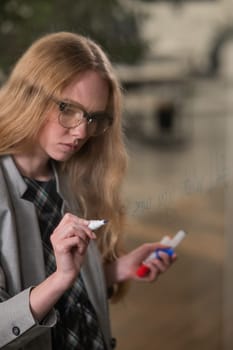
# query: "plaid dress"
[77,327]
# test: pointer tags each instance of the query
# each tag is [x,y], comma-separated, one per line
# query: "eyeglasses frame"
[62,104]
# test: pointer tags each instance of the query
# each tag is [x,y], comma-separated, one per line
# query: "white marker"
[95,224]
[177,239]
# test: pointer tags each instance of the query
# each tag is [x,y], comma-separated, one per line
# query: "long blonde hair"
[95,173]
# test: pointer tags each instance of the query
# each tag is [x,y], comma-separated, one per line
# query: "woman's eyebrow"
[78,104]
[72,102]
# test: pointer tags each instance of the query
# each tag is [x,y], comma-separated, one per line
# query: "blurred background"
[175,61]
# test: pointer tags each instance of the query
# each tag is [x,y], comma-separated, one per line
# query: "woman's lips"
[68,147]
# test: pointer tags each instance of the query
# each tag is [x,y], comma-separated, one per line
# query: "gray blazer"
[22,267]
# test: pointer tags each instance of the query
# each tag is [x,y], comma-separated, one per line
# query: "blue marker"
[169,252]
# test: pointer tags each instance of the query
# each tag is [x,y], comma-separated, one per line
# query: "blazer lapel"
[94,280]
[29,240]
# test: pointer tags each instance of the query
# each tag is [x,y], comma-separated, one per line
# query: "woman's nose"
[80,131]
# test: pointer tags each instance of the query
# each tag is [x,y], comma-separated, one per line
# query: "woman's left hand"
[126,267]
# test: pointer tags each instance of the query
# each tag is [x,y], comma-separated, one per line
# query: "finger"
[150,248]
[74,221]
[165,258]
[76,226]
[66,245]
[76,243]
[174,258]
[154,274]
[82,238]
[70,217]
[79,222]
[88,232]
[151,276]
[157,264]
[73,229]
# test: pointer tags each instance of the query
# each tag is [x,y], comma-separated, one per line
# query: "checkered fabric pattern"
[77,327]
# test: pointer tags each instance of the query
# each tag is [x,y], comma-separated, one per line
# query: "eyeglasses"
[73,114]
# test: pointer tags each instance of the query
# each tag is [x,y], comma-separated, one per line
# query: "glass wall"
[175,62]
[179,127]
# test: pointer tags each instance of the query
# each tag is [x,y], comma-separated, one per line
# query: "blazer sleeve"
[17,324]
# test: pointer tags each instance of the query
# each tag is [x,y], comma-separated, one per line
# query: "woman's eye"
[69,111]
[62,106]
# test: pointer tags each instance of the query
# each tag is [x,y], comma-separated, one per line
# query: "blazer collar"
[14,176]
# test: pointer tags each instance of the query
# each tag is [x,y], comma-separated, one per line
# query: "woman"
[62,162]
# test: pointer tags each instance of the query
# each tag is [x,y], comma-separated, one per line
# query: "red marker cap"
[142,271]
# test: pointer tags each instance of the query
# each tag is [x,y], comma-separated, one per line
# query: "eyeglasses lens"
[72,116]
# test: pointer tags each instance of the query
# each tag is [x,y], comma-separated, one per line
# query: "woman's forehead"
[88,89]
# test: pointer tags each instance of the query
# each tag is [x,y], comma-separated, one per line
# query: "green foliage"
[109,22]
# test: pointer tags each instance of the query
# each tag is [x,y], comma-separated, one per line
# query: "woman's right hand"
[70,240]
